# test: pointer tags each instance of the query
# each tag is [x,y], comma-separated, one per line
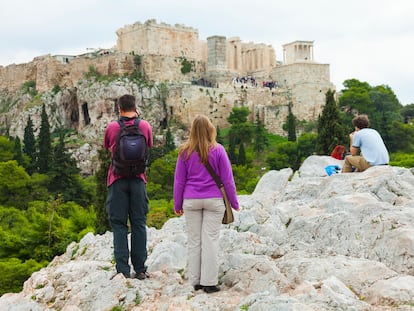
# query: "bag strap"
[214,175]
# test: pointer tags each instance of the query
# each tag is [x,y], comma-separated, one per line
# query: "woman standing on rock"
[196,194]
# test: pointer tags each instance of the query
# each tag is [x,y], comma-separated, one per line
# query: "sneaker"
[211,289]
[142,275]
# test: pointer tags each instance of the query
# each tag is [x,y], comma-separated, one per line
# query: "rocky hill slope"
[301,242]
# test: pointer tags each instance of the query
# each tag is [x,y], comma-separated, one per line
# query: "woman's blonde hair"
[202,136]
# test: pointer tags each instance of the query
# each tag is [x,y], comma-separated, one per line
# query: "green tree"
[169,142]
[306,145]
[286,155]
[45,143]
[232,151]
[355,97]
[402,137]
[331,131]
[290,125]
[14,185]
[161,177]
[245,178]
[15,234]
[407,113]
[241,160]
[387,110]
[6,149]
[29,147]
[240,130]
[102,223]
[17,150]
[64,174]
[160,212]
[219,139]
[15,272]
[260,138]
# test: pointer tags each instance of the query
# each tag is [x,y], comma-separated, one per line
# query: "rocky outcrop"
[302,241]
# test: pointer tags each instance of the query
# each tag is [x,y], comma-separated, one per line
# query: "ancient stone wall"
[185,102]
[306,84]
[47,72]
[151,38]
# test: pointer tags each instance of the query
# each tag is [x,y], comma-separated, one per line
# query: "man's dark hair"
[361,121]
[127,103]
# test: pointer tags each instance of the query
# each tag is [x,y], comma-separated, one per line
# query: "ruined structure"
[222,73]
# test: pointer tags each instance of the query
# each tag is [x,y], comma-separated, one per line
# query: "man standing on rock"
[127,196]
[369,142]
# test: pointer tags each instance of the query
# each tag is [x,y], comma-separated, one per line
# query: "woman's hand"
[179,213]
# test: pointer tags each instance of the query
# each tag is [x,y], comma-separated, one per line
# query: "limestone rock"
[340,242]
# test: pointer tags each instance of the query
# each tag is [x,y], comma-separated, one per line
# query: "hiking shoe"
[211,289]
[142,275]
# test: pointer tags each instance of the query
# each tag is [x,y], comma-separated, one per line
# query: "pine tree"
[29,147]
[331,131]
[45,143]
[64,174]
[102,224]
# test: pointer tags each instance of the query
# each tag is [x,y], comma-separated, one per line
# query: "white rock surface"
[311,242]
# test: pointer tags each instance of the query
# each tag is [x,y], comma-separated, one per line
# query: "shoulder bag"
[228,213]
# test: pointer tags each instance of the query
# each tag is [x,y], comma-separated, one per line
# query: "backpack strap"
[122,123]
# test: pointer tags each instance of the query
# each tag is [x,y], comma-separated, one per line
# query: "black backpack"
[130,156]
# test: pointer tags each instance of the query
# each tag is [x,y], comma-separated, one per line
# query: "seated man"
[369,142]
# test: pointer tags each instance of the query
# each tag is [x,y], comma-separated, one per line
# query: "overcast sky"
[369,40]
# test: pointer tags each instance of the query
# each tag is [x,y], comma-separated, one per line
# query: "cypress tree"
[232,151]
[261,140]
[29,147]
[331,131]
[291,125]
[169,142]
[45,143]
[242,155]
[219,139]
[18,155]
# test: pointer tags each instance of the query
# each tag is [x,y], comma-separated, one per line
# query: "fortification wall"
[306,84]
[151,38]
[186,101]
[47,72]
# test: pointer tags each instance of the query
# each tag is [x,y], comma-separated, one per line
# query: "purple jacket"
[193,181]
